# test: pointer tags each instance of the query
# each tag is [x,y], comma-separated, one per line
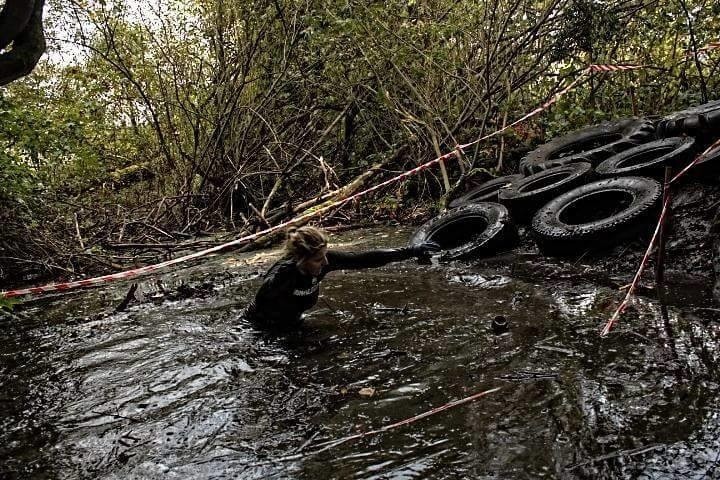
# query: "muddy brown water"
[177,386]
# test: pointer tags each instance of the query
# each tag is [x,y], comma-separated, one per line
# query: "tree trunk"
[27,48]
[14,17]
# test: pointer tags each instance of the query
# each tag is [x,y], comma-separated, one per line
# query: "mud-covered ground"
[688,253]
[178,386]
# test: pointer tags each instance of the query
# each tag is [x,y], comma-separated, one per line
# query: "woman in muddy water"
[291,286]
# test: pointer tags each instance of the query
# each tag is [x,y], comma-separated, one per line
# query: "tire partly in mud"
[473,230]
[599,214]
[591,144]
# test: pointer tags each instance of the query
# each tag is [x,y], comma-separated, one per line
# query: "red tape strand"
[615,68]
[709,46]
[149,268]
[325,446]
[334,443]
[699,158]
[636,279]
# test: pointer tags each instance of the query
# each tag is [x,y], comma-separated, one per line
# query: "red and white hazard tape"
[330,444]
[614,68]
[631,289]
[61,287]
[710,46]
[324,446]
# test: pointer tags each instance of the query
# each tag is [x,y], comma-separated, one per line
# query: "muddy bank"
[177,386]
[689,257]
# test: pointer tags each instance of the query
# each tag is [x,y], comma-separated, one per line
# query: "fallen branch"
[410,420]
[46,265]
[621,453]
[167,246]
[341,193]
[565,351]
[525,375]
[77,231]
[404,310]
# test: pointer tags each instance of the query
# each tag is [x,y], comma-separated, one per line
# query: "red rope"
[334,443]
[699,158]
[636,279]
[615,68]
[708,47]
[325,446]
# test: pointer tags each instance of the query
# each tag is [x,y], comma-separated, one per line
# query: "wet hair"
[304,242]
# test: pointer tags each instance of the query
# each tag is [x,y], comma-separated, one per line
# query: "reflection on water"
[574,303]
[482,281]
[182,388]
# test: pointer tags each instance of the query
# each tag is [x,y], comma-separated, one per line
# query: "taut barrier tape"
[62,287]
[653,241]
[709,46]
[325,446]
[615,68]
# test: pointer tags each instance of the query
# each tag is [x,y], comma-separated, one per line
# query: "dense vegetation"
[151,123]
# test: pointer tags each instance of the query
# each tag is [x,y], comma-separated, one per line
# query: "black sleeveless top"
[287,292]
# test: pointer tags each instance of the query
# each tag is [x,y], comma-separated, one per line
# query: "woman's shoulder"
[282,272]
[284,265]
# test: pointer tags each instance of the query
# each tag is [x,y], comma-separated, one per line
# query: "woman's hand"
[424,250]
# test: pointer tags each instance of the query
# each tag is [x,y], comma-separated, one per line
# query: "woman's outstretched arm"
[376,258]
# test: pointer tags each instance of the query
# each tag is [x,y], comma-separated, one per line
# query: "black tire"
[486,192]
[601,213]
[469,231]
[591,144]
[650,158]
[702,121]
[524,197]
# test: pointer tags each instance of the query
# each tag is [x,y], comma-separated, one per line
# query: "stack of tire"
[594,187]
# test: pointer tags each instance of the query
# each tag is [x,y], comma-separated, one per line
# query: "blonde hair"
[304,242]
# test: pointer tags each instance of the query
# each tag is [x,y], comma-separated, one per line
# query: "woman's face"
[314,265]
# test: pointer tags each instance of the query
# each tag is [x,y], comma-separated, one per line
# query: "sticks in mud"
[660,266]
[128,298]
[621,453]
